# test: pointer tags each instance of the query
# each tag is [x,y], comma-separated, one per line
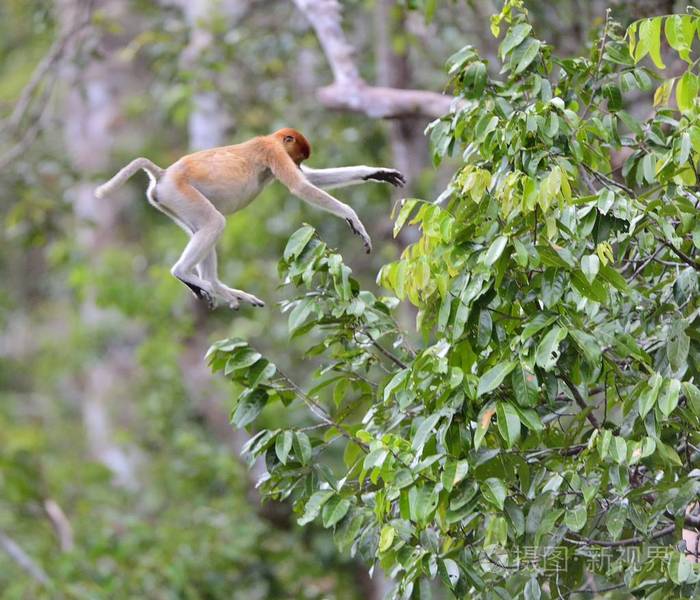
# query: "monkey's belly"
[227,198]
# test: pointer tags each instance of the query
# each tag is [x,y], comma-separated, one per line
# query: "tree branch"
[633,541]
[680,254]
[579,400]
[348,90]
[23,559]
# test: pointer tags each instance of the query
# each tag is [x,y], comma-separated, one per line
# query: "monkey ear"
[288,138]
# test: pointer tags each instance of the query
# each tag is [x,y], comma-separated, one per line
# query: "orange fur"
[200,188]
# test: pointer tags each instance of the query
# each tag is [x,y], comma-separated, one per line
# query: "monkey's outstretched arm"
[342,176]
[284,169]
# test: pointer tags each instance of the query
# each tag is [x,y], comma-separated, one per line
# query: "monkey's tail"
[153,170]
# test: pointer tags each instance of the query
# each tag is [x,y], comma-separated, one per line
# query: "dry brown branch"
[348,90]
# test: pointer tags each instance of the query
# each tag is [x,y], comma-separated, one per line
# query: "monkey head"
[296,145]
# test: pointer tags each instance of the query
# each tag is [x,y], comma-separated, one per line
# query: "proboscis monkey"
[200,188]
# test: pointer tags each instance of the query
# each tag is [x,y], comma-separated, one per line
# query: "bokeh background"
[120,476]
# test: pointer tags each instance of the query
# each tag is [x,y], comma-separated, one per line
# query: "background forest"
[120,473]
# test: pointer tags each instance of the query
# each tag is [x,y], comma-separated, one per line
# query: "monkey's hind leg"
[191,210]
[208,271]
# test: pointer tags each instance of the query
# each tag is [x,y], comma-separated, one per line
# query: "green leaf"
[525,54]
[283,444]
[407,207]
[547,353]
[678,347]
[590,265]
[314,505]
[375,459]
[662,95]
[532,589]
[648,397]
[449,571]
[508,423]
[650,41]
[453,473]
[299,314]
[425,429]
[588,344]
[514,37]
[495,250]
[386,537]
[525,386]
[297,242]
[679,568]
[614,97]
[668,400]
[485,326]
[483,423]
[615,521]
[667,454]
[692,394]
[679,32]
[494,492]
[334,510]
[250,405]
[686,91]
[575,519]
[302,447]
[490,380]
[649,168]
[538,322]
[422,501]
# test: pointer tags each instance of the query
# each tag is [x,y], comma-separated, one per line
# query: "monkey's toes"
[252,300]
[392,176]
[209,299]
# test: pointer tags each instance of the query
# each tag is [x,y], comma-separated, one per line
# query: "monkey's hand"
[359,229]
[391,176]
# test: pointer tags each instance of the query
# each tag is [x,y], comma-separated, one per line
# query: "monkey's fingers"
[363,234]
[392,176]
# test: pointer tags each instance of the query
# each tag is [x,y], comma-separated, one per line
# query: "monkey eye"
[288,138]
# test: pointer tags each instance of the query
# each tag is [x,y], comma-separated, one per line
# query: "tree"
[540,436]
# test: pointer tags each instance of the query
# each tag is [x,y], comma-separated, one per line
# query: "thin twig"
[395,359]
[579,400]
[633,541]
[319,411]
[607,180]
[46,65]
[23,559]
[680,254]
[643,265]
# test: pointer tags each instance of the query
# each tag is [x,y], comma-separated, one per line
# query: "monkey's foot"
[392,176]
[234,297]
[201,294]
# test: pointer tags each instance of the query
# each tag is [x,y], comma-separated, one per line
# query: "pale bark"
[92,108]
[349,91]
[23,560]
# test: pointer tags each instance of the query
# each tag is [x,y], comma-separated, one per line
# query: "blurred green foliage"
[72,308]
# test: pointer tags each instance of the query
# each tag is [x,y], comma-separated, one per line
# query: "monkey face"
[296,145]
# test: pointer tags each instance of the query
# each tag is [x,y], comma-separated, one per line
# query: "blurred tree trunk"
[91,111]
[210,121]
[408,144]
